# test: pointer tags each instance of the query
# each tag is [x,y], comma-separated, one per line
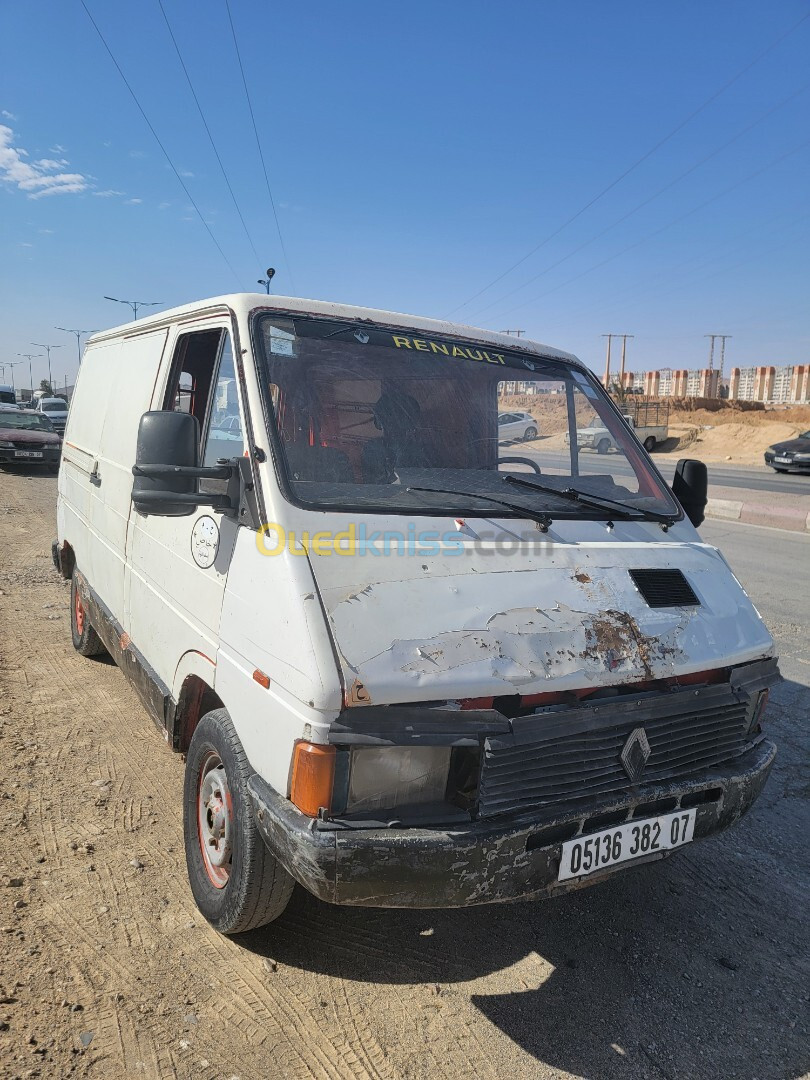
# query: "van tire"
[603,446]
[252,888]
[649,444]
[86,641]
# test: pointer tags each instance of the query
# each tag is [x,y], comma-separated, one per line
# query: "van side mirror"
[690,487]
[167,469]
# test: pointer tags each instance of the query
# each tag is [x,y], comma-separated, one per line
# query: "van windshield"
[381,420]
[53,406]
[24,421]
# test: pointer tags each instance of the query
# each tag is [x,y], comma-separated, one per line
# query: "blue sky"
[415,152]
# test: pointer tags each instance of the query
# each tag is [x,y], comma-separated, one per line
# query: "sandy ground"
[695,967]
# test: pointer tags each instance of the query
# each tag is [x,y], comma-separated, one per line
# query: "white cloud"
[164,205]
[185,173]
[24,244]
[49,164]
[108,193]
[132,202]
[7,115]
[57,149]
[36,179]
[46,232]
[137,153]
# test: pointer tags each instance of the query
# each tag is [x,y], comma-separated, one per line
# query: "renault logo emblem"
[636,754]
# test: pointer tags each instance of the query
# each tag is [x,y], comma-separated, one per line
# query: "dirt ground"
[694,967]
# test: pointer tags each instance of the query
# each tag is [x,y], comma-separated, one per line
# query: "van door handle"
[95,479]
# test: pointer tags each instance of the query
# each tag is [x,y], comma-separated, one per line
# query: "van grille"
[562,768]
[664,588]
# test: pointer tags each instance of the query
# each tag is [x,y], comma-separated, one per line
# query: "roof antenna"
[266,282]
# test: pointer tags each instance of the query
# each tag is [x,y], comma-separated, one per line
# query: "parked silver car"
[515,426]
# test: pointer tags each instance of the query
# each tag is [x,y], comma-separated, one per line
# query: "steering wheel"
[519,461]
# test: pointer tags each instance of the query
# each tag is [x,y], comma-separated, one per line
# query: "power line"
[259,145]
[149,124]
[644,202]
[656,232]
[208,131]
[635,164]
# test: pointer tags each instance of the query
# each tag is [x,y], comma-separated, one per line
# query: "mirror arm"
[156,472]
[159,498]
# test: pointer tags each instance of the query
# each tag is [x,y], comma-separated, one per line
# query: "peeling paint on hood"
[567,618]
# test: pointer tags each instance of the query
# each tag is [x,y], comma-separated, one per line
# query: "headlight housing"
[6,444]
[384,777]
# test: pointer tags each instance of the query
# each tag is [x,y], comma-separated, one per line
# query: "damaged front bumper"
[489,861]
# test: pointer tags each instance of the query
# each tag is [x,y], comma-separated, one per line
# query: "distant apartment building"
[774,385]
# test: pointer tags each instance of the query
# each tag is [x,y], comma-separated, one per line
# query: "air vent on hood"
[664,588]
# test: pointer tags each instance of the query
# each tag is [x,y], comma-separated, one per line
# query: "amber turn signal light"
[313,776]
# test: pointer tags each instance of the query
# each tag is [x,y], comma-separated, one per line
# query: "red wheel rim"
[215,820]
[79,610]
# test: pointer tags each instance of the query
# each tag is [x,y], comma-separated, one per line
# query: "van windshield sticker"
[279,336]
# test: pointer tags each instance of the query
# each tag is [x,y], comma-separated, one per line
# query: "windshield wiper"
[595,501]
[542,519]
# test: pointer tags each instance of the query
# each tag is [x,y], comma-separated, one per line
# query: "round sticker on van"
[204,541]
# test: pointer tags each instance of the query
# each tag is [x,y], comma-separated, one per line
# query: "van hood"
[410,628]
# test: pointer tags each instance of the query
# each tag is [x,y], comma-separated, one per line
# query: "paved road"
[751,478]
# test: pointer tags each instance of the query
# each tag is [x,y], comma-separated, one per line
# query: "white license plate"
[623,843]
[782,460]
[27,453]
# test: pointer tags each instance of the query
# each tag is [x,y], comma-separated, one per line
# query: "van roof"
[245,303]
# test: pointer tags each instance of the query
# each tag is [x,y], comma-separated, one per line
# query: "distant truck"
[649,420]
[7,395]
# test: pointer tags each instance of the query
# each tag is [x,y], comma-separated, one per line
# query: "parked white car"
[56,409]
[399,674]
[517,426]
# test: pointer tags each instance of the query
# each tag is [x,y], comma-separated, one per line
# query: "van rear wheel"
[237,883]
[86,641]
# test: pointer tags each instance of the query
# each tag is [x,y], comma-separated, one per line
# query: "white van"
[407,665]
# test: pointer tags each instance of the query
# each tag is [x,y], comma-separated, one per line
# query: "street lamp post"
[134,304]
[47,349]
[266,281]
[12,365]
[29,357]
[78,334]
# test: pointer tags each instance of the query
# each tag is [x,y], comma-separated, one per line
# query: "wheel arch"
[193,691]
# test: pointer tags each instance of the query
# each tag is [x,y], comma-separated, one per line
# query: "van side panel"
[81,448]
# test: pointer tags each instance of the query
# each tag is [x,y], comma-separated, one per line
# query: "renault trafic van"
[409,663]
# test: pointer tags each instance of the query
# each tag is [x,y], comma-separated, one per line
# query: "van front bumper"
[492,861]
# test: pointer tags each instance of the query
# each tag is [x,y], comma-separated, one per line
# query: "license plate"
[782,460]
[27,453]
[623,843]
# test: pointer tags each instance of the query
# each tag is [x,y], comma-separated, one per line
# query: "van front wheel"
[237,884]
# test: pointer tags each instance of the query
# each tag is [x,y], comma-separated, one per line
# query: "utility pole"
[29,357]
[624,338]
[610,338]
[723,338]
[134,304]
[47,349]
